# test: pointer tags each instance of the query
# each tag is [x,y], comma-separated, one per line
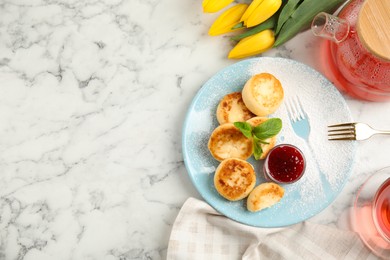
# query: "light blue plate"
[323,104]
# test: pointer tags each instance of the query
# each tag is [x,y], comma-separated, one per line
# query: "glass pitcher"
[356,54]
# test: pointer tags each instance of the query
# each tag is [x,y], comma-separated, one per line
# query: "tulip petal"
[227,20]
[212,6]
[251,8]
[265,10]
[253,45]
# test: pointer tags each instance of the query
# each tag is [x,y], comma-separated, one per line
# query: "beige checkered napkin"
[199,232]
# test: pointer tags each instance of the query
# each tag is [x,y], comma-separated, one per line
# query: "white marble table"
[93,96]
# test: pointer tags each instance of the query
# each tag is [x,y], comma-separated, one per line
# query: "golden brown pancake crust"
[263,94]
[227,141]
[234,179]
[232,109]
[265,195]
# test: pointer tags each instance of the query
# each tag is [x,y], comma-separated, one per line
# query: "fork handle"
[380,132]
[327,187]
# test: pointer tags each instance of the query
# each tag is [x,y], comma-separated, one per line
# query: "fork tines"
[294,109]
[342,132]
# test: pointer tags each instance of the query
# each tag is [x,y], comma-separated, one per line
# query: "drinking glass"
[371,214]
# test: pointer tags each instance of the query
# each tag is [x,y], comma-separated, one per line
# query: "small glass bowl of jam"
[284,164]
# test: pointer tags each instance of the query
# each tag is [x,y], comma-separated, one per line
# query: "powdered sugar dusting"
[324,106]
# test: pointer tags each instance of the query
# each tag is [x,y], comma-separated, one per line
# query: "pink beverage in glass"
[381,210]
[350,65]
[371,218]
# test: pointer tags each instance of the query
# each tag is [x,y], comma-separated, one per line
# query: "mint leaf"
[257,150]
[268,129]
[245,128]
[263,142]
[260,133]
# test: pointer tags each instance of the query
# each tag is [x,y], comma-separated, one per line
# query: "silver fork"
[353,131]
[301,126]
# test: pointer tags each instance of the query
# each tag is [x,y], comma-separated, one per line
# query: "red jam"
[284,164]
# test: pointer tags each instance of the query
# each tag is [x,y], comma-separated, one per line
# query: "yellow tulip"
[251,8]
[227,20]
[259,11]
[253,45]
[212,6]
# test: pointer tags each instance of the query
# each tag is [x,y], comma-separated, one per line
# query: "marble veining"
[93,95]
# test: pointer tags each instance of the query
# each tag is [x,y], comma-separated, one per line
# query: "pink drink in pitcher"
[352,60]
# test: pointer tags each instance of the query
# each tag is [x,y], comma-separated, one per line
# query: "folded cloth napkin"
[200,232]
